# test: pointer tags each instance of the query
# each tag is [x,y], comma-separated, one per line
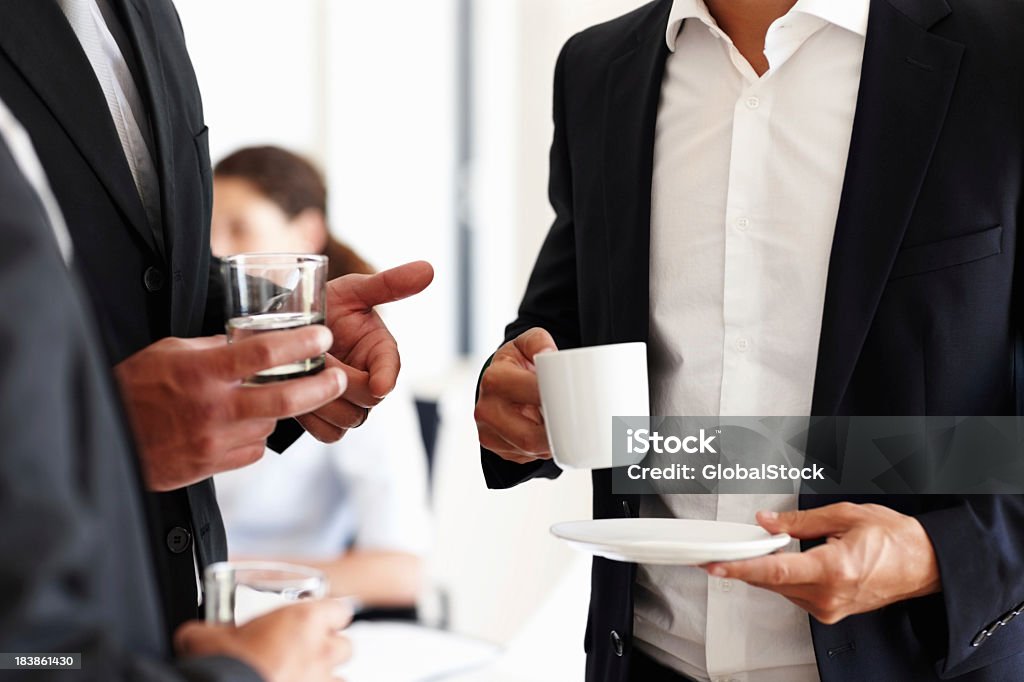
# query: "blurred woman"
[356,509]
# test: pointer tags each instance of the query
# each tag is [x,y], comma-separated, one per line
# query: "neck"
[746,22]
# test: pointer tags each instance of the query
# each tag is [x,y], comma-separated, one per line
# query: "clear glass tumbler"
[238,591]
[271,292]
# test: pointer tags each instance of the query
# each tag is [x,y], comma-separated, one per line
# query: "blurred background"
[431,122]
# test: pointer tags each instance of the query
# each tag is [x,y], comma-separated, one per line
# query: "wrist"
[926,577]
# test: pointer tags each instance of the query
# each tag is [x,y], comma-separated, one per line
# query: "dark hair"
[295,185]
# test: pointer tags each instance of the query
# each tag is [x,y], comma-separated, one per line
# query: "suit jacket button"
[153,278]
[179,540]
[616,643]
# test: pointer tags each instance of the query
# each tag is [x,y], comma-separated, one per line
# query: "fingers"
[243,456]
[186,637]
[493,440]
[340,650]
[342,414]
[775,571]
[384,364]
[332,614]
[204,342]
[510,382]
[506,421]
[507,413]
[290,398]
[534,341]
[358,390]
[363,292]
[242,359]
[320,429]
[814,523]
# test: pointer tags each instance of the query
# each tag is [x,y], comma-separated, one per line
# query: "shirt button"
[743,345]
[179,540]
[153,278]
[725,585]
[742,223]
[753,102]
[616,643]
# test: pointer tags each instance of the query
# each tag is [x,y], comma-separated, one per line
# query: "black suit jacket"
[140,291]
[922,311]
[77,572]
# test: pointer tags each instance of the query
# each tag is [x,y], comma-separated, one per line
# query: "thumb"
[533,342]
[808,525]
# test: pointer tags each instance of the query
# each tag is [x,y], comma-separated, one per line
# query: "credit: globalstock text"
[644,441]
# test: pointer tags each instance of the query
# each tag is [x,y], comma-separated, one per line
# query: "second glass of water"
[238,591]
[272,292]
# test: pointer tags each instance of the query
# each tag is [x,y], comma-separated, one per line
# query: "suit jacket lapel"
[906,85]
[61,75]
[633,93]
[153,88]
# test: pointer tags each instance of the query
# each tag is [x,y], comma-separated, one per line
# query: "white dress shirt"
[748,173]
[127,110]
[316,500]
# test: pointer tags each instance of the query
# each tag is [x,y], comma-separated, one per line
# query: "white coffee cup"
[581,390]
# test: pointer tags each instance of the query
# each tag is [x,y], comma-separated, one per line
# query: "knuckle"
[827,616]
[286,403]
[265,427]
[329,436]
[262,354]
[251,455]
[841,571]
[846,508]
[490,381]
[305,614]
[829,610]
[206,445]
[482,413]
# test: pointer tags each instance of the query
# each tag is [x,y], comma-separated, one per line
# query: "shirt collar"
[681,11]
[849,14]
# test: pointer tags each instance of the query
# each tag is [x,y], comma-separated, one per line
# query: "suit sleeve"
[71,580]
[979,543]
[551,299]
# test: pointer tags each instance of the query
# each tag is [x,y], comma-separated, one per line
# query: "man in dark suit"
[77,575]
[812,209]
[108,95]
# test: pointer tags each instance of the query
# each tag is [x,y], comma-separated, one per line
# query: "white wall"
[517,44]
[261,71]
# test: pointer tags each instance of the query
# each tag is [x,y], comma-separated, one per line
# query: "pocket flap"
[916,260]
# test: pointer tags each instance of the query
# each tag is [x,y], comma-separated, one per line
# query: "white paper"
[401,652]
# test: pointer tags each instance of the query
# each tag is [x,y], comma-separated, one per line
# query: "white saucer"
[679,542]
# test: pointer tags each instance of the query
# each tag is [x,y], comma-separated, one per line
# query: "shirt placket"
[727,639]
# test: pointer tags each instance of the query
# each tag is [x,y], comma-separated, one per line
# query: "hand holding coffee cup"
[508,412]
[537,402]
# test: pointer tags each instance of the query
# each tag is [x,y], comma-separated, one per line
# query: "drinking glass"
[271,292]
[238,591]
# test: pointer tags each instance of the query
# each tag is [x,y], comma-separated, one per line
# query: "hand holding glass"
[272,292]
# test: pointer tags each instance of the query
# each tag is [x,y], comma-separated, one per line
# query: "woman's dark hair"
[295,185]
